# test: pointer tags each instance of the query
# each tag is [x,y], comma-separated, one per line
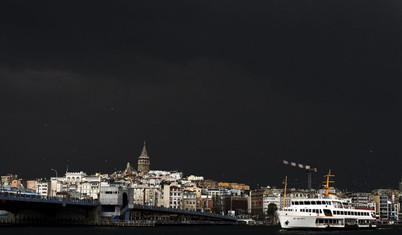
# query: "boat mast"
[326,187]
[284,194]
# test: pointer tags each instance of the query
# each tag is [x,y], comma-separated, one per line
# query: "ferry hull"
[293,222]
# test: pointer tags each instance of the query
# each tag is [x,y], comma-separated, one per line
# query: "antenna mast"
[327,181]
[284,194]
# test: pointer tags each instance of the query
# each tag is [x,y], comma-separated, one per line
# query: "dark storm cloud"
[223,89]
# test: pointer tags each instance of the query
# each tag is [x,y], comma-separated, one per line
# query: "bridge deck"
[47,199]
[179,211]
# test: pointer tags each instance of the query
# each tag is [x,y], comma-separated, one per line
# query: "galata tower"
[143,162]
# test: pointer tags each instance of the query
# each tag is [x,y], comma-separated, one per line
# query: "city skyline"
[223,89]
[135,169]
[157,190]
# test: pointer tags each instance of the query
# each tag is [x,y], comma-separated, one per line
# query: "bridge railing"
[33,197]
[173,210]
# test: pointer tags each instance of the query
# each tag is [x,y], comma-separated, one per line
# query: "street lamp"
[54,171]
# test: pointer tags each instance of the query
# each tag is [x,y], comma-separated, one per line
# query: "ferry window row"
[311,210]
[311,202]
[329,221]
[364,221]
[358,213]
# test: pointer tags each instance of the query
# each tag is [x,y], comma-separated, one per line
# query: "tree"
[271,211]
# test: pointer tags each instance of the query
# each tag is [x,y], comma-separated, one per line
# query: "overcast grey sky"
[223,89]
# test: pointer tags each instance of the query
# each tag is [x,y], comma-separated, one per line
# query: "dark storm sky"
[219,88]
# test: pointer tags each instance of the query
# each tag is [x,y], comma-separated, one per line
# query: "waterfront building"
[76,184]
[171,195]
[175,197]
[113,198]
[239,204]
[204,202]
[384,207]
[7,179]
[144,162]
[139,194]
[145,194]
[361,200]
[274,198]
[219,196]
[197,191]
[189,201]
[18,184]
[257,200]
[111,195]
[32,185]
[387,204]
[294,193]
[74,177]
[89,187]
[43,188]
[57,185]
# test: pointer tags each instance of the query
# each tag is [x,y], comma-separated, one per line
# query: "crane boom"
[308,169]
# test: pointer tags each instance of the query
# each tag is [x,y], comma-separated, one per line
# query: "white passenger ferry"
[325,212]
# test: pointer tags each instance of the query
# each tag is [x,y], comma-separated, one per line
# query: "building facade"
[189,201]
[43,188]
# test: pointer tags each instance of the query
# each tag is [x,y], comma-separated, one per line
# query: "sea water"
[182,230]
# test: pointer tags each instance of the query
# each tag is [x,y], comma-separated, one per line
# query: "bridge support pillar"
[94,215]
[10,216]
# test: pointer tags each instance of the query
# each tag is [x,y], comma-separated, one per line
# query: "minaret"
[143,162]
[128,170]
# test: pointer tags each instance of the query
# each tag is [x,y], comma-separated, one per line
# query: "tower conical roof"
[144,152]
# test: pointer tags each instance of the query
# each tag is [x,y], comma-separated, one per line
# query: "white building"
[176,196]
[113,198]
[43,188]
[171,195]
[165,175]
[57,185]
[74,177]
[111,195]
[218,192]
[90,187]
[77,184]
[145,194]
[271,198]
[195,178]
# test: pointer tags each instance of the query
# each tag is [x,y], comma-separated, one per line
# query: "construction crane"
[308,169]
